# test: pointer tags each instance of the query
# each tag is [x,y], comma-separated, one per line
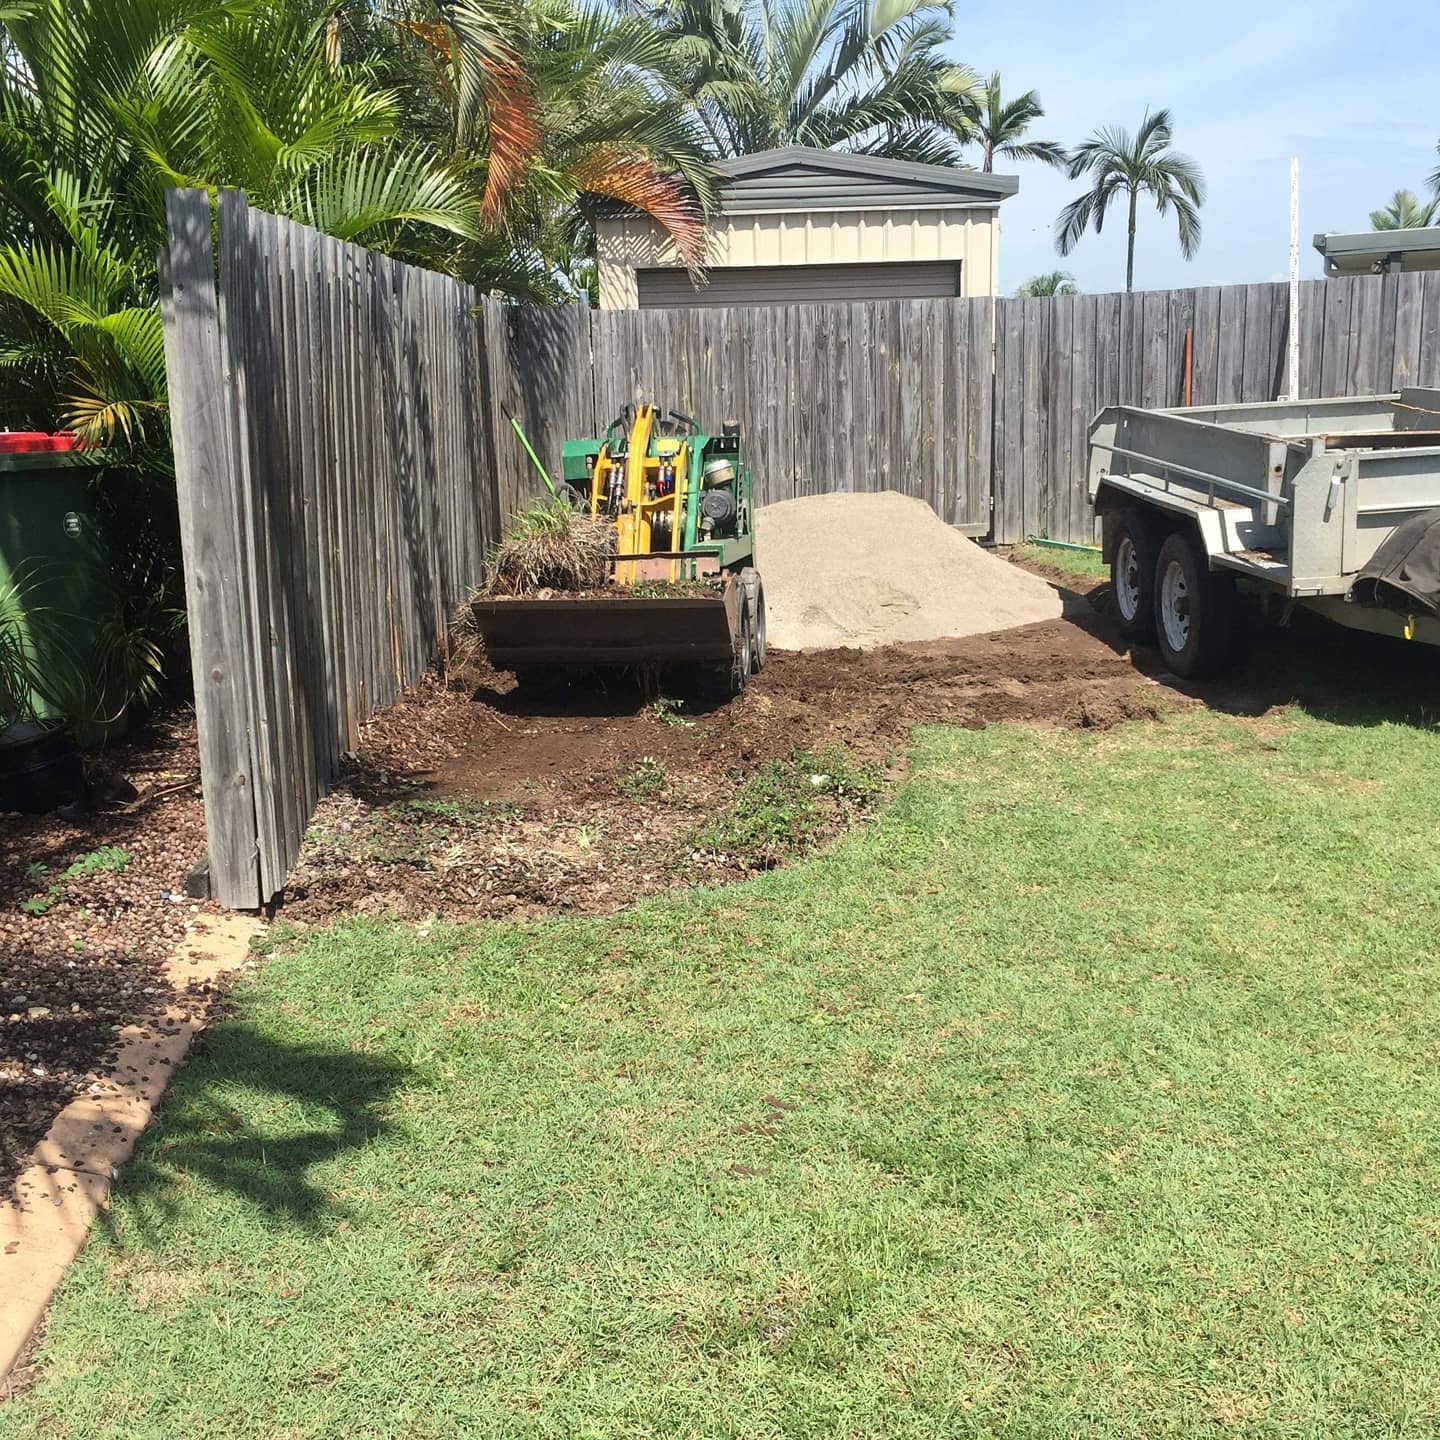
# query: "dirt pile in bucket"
[869,570]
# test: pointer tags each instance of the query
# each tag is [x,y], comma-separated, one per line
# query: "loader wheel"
[1194,608]
[1132,577]
[745,654]
[720,683]
[755,603]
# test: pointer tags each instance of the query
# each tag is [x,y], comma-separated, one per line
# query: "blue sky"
[1352,89]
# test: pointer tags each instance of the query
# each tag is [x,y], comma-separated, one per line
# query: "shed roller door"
[801,284]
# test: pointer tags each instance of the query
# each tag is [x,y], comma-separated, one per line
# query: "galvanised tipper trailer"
[1333,505]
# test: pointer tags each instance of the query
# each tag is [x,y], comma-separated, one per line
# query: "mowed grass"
[1082,564]
[1091,1090]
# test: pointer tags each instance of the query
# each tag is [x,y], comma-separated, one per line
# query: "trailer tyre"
[1194,608]
[1132,577]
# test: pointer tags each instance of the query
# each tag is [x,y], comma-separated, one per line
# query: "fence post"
[211,525]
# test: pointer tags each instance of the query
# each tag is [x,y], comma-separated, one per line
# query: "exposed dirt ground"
[480,801]
[474,800]
[91,905]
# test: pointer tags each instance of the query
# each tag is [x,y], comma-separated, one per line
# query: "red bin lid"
[17,442]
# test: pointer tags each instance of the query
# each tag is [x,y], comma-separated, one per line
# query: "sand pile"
[869,570]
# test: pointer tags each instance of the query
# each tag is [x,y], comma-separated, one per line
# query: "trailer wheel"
[1194,608]
[1132,577]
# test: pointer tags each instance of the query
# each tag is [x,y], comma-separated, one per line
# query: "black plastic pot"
[39,767]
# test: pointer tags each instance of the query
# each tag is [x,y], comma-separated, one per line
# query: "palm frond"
[925,146]
[1174,171]
[1155,132]
[1187,217]
[365,195]
[642,184]
[1405,212]
[1076,218]
[66,286]
[515,135]
[1047,152]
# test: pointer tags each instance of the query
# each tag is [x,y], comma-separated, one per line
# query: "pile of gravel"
[867,570]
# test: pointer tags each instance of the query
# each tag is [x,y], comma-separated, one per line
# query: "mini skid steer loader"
[684,590]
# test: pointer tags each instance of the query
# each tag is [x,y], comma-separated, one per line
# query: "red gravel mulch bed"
[91,904]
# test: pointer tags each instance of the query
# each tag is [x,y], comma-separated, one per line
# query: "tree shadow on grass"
[257,1117]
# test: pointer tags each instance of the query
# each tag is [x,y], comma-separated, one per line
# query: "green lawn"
[1081,564]
[1091,1090]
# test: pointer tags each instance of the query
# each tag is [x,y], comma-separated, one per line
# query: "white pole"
[1294,389]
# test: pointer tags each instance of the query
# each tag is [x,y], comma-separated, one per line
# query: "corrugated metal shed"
[836,226]
[815,180]
[801,284]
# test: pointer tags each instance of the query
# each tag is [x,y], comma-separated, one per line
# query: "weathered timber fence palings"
[953,401]
[1058,362]
[893,395]
[330,439]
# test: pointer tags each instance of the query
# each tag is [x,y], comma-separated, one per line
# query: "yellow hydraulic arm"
[641,499]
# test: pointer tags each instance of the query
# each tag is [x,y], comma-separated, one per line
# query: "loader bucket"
[559,632]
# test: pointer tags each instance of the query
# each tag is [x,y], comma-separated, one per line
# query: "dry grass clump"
[551,546]
[463,654]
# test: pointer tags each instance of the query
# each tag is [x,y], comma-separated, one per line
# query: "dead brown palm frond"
[550,545]
[483,80]
[515,135]
[665,198]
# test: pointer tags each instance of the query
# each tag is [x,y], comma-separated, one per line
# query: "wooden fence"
[907,395]
[332,454]
[1058,362]
[345,455]
[885,396]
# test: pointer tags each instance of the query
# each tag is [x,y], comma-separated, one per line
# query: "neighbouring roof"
[1376,251]
[797,179]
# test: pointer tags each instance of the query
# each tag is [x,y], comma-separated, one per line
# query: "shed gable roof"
[797,178]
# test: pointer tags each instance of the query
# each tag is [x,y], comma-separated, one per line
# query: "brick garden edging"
[67,1183]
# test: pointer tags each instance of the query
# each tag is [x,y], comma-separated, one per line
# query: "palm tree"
[612,130]
[105,103]
[999,127]
[1434,178]
[1405,212]
[864,75]
[1052,282]
[1143,164]
[411,126]
[586,113]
